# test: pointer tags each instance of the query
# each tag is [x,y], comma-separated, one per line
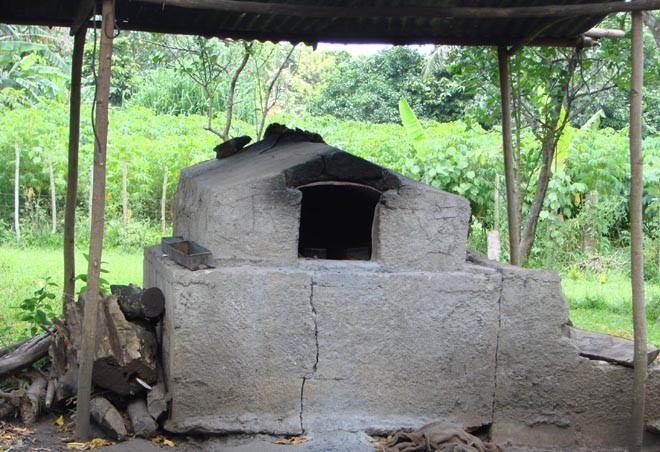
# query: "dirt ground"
[48,436]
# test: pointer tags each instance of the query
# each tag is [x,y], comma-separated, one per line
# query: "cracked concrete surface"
[316,362]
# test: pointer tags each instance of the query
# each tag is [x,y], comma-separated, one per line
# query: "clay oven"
[341,298]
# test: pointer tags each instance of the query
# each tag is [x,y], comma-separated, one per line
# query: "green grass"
[599,301]
[603,302]
[23,270]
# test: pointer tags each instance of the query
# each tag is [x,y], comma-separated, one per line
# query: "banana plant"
[415,133]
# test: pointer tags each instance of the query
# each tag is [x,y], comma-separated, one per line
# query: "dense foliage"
[168,90]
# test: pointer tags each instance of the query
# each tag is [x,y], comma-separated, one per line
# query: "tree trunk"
[507,149]
[637,236]
[86,355]
[548,147]
[232,91]
[653,25]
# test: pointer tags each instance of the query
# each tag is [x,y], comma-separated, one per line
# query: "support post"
[72,170]
[507,149]
[88,345]
[636,235]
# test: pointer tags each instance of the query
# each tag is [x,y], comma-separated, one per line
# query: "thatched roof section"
[459,22]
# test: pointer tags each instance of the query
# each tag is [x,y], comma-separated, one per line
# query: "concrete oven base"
[327,346]
[284,350]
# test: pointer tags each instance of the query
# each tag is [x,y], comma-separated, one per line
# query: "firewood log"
[108,418]
[34,396]
[139,304]
[144,426]
[26,353]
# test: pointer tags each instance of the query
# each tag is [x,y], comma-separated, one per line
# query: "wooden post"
[53,200]
[88,345]
[163,202]
[507,148]
[17,173]
[637,235]
[496,203]
[91,197]
[124,193]
[69,287]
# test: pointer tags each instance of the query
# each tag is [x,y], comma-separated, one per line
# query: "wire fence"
[37,207]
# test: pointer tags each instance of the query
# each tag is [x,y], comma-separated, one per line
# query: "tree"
[368,88]
[30,68]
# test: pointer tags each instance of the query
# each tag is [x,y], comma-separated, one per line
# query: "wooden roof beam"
[285,9]
[600,33]
[84,12]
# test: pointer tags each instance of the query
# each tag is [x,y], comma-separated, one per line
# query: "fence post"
[163,201]
[53,200]
[124,194]
[17,226]
[91,197]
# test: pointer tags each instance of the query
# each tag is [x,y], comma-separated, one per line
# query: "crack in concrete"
[497,343]
[316,362]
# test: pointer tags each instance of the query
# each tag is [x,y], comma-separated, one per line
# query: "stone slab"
[608,348]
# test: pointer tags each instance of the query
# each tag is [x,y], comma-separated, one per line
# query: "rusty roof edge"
[511,12]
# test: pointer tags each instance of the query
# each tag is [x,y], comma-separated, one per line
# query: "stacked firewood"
[126,372]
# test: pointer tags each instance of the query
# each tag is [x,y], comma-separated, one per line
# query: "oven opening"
[336,220]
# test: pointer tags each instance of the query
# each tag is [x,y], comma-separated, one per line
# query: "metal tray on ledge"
[185,252]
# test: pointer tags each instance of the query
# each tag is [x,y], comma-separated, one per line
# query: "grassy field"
[22,271]
[599,301]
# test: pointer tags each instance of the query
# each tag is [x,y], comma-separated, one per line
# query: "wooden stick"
[124,193]
[86,355]
[17,173]
[69,286]
[163,201]
[53,200]
[297,10]
[637,235]
[507,148]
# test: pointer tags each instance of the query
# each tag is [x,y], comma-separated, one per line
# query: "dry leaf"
[291,440]
[162,439]
[96,443]
[59,421]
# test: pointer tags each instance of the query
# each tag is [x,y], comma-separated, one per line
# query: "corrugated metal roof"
[330,20]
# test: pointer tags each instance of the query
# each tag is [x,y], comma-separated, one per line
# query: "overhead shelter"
[506,24]
[400,22]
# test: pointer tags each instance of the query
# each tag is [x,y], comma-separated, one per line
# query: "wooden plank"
[608,348]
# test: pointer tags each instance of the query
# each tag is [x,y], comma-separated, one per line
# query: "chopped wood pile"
[126,372]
